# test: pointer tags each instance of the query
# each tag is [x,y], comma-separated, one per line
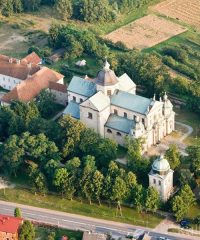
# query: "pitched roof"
[100,101]
[121,124]
[16,68]
[82,87]
[10,224]
[126,83]
[58,87]
[72,109]
[32,86]
[32,58]
[132,102]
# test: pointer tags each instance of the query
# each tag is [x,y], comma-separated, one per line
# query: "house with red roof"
[9,227]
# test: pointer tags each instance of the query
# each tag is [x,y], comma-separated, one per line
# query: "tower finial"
[165,96]
[154,97]
[106,64]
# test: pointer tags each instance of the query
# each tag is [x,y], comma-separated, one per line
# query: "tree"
[194,157]
[119,191]
[182,202]
[72,131]
[139,197]
[31,5]
[173,156]
[12,154]
[98,179]
[64,9]
[17,212]
[46,103]
[27,231]
[6,7]
[152,199]
[61,180]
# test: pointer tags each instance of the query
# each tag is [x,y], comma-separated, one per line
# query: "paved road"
[78,222]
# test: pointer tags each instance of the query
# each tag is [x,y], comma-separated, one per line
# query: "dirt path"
[190,130]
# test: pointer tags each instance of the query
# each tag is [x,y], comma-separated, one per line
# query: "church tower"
[161,178]
[106,80]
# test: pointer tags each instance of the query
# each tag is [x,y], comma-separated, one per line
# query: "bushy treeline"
[85,10]
[67,158]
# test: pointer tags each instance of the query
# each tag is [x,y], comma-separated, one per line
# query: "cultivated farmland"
[145,32]
[187,11]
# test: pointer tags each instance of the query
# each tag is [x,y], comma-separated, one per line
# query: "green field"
[53,202]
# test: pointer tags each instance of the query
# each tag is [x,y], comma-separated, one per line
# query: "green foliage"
[17,212]
[194,158]
[64,9]
[152,200]
[27,231]
[173,156]
[182,202]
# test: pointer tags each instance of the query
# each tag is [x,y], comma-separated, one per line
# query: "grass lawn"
[42,233]
[192,119]
[130,215]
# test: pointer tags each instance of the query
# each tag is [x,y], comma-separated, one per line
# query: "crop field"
[145,32]
[187,11]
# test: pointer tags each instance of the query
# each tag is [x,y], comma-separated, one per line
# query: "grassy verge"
[182,231]
[130,215]
[42,233]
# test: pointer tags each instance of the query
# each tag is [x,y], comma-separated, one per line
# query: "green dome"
[161,164]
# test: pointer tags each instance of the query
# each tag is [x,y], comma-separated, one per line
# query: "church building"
[109,105]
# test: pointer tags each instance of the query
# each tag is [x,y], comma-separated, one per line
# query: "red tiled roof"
[16,68]
[58,87]
[32,86]
[10,224]
[32,58]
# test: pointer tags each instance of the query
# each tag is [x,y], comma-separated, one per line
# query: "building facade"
[9,227]
[109,105]
[161,178]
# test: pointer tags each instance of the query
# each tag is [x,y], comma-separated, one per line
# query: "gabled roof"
[15,68]
[58,87]
[72,109]
[32,86]
[82,86]
[126,83]
[10,224]
[132,102]
[120,124]
[32,58]
[99,101]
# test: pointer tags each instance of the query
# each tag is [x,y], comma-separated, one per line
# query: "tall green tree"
[173,156]
[97,181]
[182,202]
[64,9]
[61,180]
[152,199]
[27,231]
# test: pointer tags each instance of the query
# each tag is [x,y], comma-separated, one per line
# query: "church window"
[109,131]
[90,115]
[74,98]
[109,92]
[119,134]
[81,100]
[143,120]
[159,183]
[154,181]
[125,114]
[115,112]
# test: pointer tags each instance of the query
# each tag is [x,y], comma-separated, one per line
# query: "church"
[109,105]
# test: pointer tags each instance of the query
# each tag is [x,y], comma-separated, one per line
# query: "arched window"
[119,134]
[109,131]
[125,114]
[154,181]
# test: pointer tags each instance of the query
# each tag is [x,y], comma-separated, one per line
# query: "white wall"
[77,96]
[8,83]
[104,89]
[119,139]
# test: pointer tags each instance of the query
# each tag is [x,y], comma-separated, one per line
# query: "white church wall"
[76,97]
[8,82]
